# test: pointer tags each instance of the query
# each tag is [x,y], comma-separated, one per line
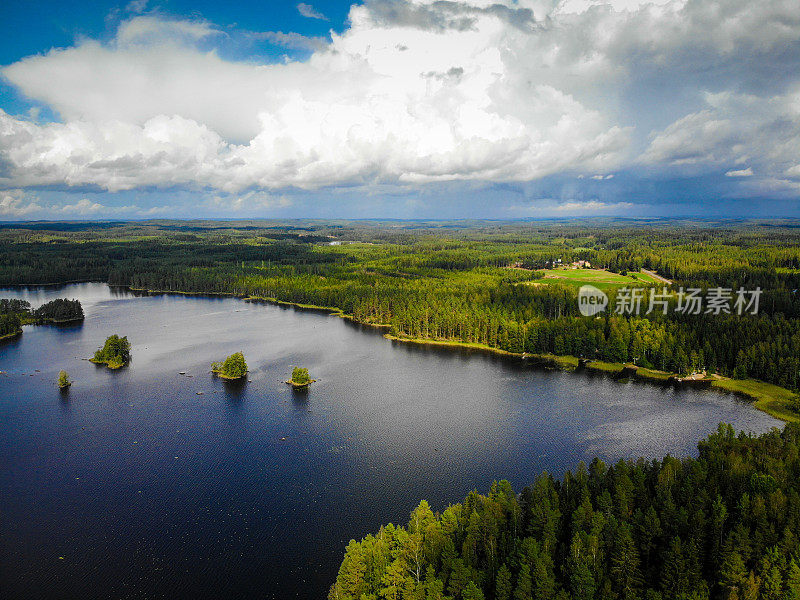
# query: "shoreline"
[766,397]
[56,321]
[26,285]
[108,365]
[300,386]
[9,336]
[228,377]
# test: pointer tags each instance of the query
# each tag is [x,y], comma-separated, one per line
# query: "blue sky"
[399,108]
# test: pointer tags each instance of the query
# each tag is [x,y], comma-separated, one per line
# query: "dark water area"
[143,483]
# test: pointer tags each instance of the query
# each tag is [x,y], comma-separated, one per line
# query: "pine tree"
[733,575]
[393,581]
[300,376]
[544,581]
[503,587]
[472,592]
[793,581]
[625,565]
[523,590]
[673,572]
[752,585]
[350,581]
[233,367]
[772,584]
[434,587]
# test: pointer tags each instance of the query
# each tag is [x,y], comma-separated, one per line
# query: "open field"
[597,277]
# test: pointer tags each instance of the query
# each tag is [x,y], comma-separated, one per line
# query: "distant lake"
[144,483]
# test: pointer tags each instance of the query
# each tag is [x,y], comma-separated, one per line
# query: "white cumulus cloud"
[419,91]
[734,129]
[18,203]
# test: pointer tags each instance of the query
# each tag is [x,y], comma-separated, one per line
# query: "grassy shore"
[635,372]
[773,400]
[330,309]
[653,374]
[449,344]
[565,363]
[605,367]
[221,375]
[58,321]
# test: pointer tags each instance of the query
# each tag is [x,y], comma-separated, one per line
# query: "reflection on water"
[153,483]
[234,390]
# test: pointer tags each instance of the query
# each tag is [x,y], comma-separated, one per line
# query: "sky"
[503,109]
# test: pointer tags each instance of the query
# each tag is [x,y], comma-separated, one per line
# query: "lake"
[143,483]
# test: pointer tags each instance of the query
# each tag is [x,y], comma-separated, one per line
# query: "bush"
[63,380]
[233,367]
[300,375]
[116,352]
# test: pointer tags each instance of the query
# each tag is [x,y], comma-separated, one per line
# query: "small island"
[300,378]
[115,354]
[63,380]
[59,310]
[234,367]
[15,313]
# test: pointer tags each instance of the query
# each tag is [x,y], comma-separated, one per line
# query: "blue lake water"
[143,483]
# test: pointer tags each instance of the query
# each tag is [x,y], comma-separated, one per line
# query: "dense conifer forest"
[14,313]
[59,310]
[11,313]
[464,282]
[725,525]
[9,324]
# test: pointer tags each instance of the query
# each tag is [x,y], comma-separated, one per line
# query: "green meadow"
[597,277]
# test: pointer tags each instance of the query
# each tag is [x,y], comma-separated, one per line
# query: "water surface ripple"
[144,483]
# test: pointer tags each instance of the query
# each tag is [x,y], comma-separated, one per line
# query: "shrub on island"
[300,378]
[234,367]
[63,380]
[115,353]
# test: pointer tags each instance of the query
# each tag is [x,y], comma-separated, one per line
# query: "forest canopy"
[15,312]
[10,324]
[490,284]
[725,526]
